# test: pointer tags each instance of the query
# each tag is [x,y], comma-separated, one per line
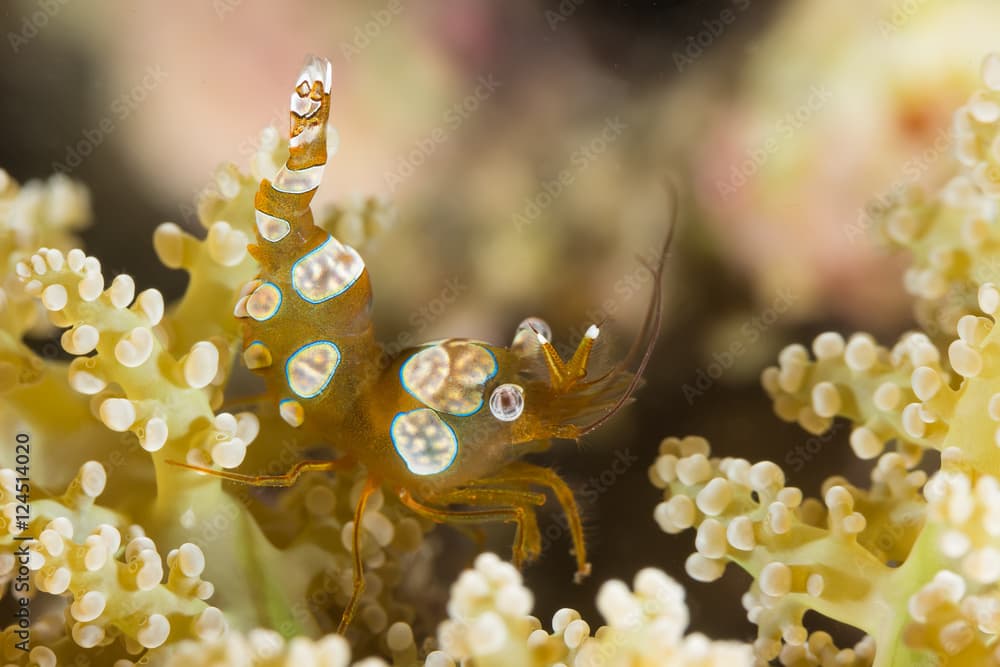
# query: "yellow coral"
[155,376]
[490,625]
[110,590]
[913,562]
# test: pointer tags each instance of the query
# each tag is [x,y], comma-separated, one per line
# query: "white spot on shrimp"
[311,367]
[270,227]
[425,442]
[449,377]
[327,271]
[264,302]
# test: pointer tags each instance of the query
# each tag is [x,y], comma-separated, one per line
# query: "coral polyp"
[912,561]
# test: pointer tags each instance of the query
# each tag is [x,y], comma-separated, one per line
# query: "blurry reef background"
[525,145]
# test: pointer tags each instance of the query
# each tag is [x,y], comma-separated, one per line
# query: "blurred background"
[525,145]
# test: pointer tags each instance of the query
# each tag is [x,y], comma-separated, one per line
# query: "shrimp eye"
[507,402]
[538,325]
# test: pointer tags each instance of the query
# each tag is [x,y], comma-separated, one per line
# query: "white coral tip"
[201,364]
[51,541]
[42,656]
[86,635]
[93,478]
[247,427]
[58,582]
[83,380]
[55,259]
[865,443]
[91,286]
[112,537]
[96,554]
[991,71]
[826,400]
[828,345]
[135,348]
[151,303]
[89,606]
[63,526]
[82,340]
[704,569]
[168,242]
[190,559]
[154,631]
[118,414]
[989,298]
[150,573]
[229,453]
[399,637]
[54,297]
[227,246]
[122,291]
[76,258]
[860,353]
[966,361]
[154,435]
[210,624]
[776,579]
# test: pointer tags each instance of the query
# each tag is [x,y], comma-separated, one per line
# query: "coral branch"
[489,625]
[803,555]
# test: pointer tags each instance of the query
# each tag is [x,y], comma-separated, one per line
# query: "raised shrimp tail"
[282,205]
[309,112]
[309,308]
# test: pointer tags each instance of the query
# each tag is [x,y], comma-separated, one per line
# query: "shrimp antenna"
[654,316]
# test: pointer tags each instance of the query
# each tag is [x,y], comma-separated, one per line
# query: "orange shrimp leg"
[527,538]
[531,537]
[527,473]
[287,479]
[480,495]
[359,573]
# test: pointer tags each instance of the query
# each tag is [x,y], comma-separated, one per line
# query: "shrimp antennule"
[651,325]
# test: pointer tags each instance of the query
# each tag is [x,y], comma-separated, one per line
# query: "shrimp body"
[442,425]
[308,314]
